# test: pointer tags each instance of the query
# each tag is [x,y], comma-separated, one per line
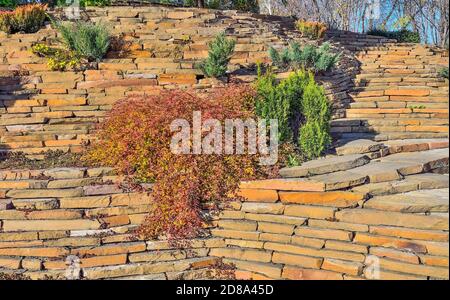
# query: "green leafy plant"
[26,18]
[310,57]
[58,59]
[443,72]
[312,30]
[402,35]
[315,132]
[301,108]
[88,40]
[245,5]
[9,3]
[413,107]
[242,5]
[220,51]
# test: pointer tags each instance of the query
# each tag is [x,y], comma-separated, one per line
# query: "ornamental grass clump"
[89,40]
[443,72]
[135,138]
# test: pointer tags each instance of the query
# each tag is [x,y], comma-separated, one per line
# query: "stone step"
[397,104]
[396,111]
[326,165]
[425,181]
[389,136]
[371,75]
[355,122]
[389,168]
[414,145]
[423,201]
[402,128]
[419,162]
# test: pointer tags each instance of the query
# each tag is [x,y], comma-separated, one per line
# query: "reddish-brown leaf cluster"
[136,138]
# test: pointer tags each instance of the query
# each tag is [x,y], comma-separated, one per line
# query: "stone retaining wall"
[48,217]
[327,235]
[293,228]
[44,110]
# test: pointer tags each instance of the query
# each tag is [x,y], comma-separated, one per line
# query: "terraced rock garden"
[88,179]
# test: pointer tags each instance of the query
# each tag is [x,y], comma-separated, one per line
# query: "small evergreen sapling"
[301,108]
[220,51]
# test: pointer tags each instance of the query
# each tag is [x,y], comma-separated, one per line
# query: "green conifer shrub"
[314,58]
[220,51]
[301,108]
[443,72]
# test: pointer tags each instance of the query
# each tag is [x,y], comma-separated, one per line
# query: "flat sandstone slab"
[423,201]
[326,165]
[359,147]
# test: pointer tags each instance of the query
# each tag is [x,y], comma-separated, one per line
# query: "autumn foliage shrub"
[310,29]
[26,18]
[136,138]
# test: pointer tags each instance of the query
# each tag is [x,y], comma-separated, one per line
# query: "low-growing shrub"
[443,72]
[301,107]
[402,36]
[310,57]
[136,137]
[312,30]
[242,5]
[7,21]
[245,5]
[220,51]
[88,40]
[84,3]
[26,18]
[58,59]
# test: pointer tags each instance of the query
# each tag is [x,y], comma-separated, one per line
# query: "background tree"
[429,18]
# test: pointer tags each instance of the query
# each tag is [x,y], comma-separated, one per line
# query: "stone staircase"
[363,162]
[398,95]
[383,192]
[373,206]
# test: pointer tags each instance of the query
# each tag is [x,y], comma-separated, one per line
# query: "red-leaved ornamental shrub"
[136,138]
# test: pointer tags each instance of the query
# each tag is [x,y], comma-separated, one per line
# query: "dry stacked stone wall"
[49,110]
[49,215]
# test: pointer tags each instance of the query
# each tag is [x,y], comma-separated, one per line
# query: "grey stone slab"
[380,171]
[326,165]
[340,180]
[412,202]
[359,147]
